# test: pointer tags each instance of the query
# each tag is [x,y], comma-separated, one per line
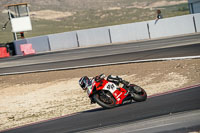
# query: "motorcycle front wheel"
[138,93]
[105,99]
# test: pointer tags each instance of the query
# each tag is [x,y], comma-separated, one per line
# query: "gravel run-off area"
[34,97]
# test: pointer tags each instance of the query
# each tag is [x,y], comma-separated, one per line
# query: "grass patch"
[94,17]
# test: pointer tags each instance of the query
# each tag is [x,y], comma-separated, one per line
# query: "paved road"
[100,50]
[186,100]
[178,51]
[182,122]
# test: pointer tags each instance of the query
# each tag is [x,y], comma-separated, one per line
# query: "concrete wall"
[193,1]
[197,21]
[129,32]
[93,36]
[114,34]
[40,44]
[63,41]
[194,6]
[171,26]
[17,46]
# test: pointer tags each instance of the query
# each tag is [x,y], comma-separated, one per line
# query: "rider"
[85,82]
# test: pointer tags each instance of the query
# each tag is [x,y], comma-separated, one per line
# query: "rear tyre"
[138,93]
[105,99]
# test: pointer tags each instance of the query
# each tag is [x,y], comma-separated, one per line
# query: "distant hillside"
[77,5]
[53,16]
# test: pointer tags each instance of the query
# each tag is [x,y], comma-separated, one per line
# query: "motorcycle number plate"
[110,87]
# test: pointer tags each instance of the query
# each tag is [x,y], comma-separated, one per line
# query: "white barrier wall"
[63,41]
[93,36]
[17,44]
[40,43]
[129,32]
[114,34]
[171,26]
[197,21]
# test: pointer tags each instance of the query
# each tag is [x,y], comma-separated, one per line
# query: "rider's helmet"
[84,82]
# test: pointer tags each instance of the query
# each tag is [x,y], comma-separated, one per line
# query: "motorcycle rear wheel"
[105,99]
[138,93]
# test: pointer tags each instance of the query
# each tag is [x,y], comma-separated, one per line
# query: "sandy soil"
[157,4]
[50,15]
[114,8]
[39,96]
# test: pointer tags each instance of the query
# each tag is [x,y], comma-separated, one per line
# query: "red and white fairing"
[118,93]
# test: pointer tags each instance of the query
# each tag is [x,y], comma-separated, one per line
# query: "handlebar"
[124,82]
[100,77]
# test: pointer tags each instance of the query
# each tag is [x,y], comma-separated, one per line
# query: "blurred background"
[55,16]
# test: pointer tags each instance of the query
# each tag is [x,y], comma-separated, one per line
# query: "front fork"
[92,101]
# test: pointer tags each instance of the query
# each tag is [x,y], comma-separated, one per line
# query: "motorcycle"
[108,94]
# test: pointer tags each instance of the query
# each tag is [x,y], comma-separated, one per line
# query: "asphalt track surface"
[178,51]
[156,106]
[188,45]
[185,100]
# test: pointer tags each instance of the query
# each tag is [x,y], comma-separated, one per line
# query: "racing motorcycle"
[108,94]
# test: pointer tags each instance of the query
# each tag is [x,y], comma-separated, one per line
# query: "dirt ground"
[50,15]
[34,97]
[157,4]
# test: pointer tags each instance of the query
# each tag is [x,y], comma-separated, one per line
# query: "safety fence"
[113,34]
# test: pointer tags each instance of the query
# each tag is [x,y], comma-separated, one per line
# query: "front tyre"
[105,99]
[138,93]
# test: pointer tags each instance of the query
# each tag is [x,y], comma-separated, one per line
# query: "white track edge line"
[106,64]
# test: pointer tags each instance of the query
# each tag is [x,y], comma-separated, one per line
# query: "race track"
[168,104]
[177,51]
[186,100]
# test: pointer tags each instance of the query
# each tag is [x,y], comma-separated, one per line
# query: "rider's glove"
[100,77]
